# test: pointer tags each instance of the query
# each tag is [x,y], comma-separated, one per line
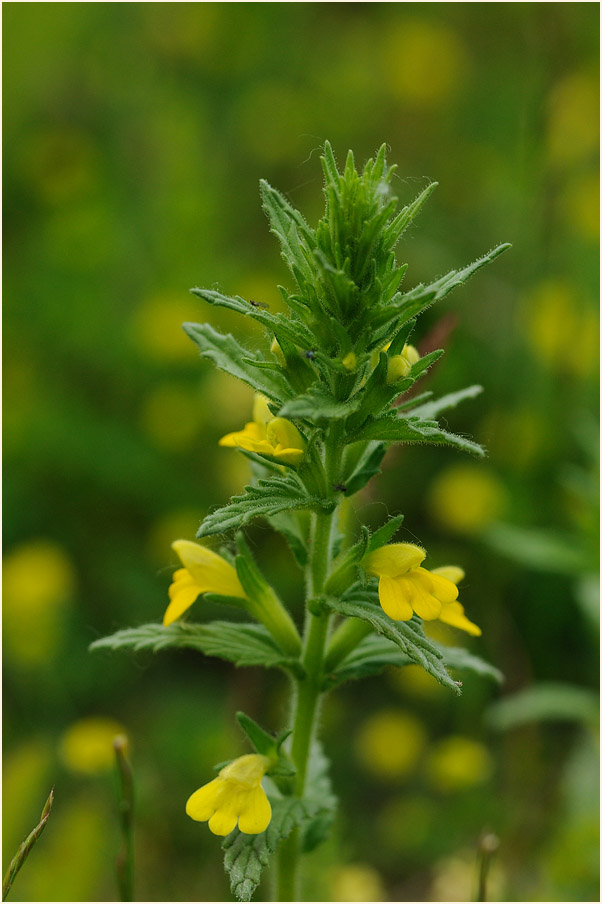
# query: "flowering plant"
[332,397]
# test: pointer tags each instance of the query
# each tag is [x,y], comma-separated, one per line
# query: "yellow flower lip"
[235,796]
[275,437]
[204,572]
[405,588]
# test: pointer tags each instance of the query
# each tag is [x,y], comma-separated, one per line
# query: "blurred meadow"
[135,137]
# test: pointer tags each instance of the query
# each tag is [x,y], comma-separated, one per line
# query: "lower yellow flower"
[267,435]
[404,587]
[235,796]
[453,613]
[204,572]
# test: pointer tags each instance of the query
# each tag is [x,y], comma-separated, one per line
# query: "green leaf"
[385,533]
[545,702]
[242,644]
[292,329]
[263,742]
[287,524]
[267,498]
[465,661]
[375,652]
[421,297]
[296,238]
[230,356]
[247,855]
[317,404]
[398,226]
[451,400]
[414,430]
[367,467]
[371,656]
[362,602]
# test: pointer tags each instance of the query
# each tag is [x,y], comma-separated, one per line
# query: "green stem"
[308,690]
[345,639]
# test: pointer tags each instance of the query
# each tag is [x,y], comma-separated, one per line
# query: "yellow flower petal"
[453,614]
[291,456]
[394,560]
[444,589]
[247,438]
[246,770]
[202,804]
[224,820]
[212,573]
[282,433]
[261,412]
[393,599]
[424,603]
[452,572]
[181,579]
[182,601]
[256,813]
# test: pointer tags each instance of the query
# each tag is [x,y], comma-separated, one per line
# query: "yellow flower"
[349,362]
[400,365]
[267,435]
[204,572]
[235,796]
[404,587]
[453,613]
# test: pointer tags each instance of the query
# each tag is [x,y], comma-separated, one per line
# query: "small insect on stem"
[310,354]
[258,304]
[340,488]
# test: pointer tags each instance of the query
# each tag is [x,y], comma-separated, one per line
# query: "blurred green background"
[135,136]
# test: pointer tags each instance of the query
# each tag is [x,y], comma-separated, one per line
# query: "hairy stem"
[308,690]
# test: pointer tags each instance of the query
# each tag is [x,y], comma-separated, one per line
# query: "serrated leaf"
[465,661]
[432,408]
[296,238]
[268,497]
[415,430]
[229,355]
[398,226]
[292,329]
[367,467]
[421,297]
[317,404]
[240,643]
[362,602]
[375,652]
[247,855]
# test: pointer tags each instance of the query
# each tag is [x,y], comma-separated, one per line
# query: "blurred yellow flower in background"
[456,763]
[356,882]
[573,118]
[156,327]
[562,331]
[87,745]
[235,796]
[389,743]
[423,63]
[204,572]
[38,583]
[171,416]
[465,498]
